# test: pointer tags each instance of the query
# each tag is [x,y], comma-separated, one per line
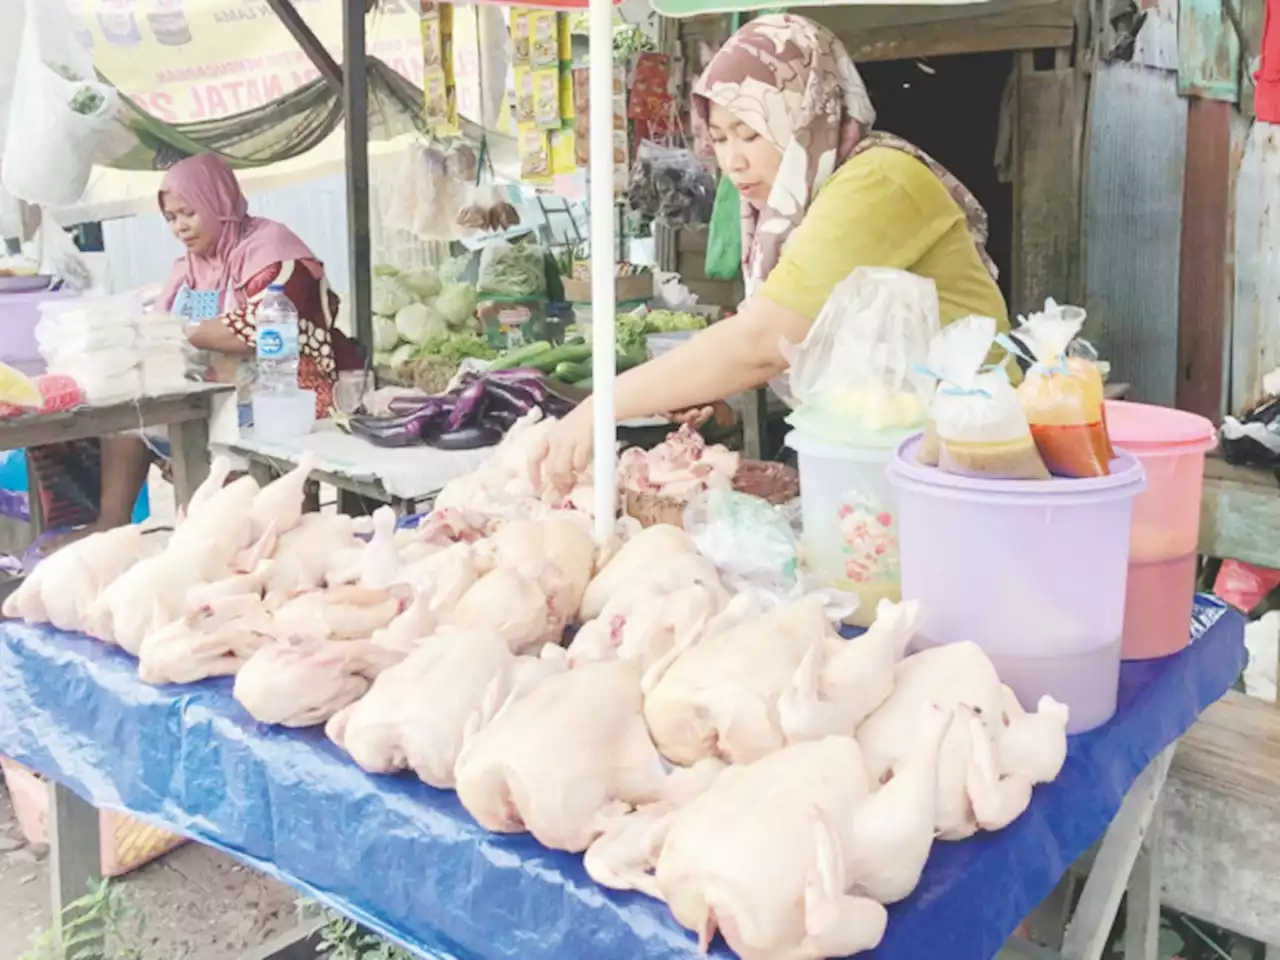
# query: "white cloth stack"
[114,350]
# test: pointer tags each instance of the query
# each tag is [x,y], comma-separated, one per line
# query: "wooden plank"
[1090,926]
[301,943]
[721,293]
[1208,51]
[1142,900]
[74,855]
[1202,285]
[189,445]
[850,20]
[1240,521]
[691,240]
[1049,118]
[101,421]
[1255,336]
[1221,819]
[1004,32]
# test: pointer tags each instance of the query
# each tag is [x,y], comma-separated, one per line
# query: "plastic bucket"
[1033,571]
[850,518]
[1166,523]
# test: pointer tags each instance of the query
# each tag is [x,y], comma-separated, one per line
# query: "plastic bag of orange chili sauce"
[1062,395]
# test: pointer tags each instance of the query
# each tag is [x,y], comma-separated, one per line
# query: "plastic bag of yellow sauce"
[1063,395]
[976,426]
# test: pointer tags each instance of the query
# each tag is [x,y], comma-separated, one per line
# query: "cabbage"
[457,304]
[422,282]
[401,355]
[418,321]
[385,334]
[382,358]
[390,296]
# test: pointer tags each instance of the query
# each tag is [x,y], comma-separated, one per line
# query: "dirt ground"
[198,903]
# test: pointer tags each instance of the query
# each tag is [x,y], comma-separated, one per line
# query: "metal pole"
[603,305]
[355,102]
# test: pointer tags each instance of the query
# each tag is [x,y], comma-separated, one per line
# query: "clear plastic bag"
[977,426]
[424,199]
[1062,394]
[671,185]
[512,270]
[857,373]
[755,547]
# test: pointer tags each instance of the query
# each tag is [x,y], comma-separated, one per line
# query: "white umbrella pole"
[603,306]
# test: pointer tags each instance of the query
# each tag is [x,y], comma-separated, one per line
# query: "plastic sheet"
[407,860]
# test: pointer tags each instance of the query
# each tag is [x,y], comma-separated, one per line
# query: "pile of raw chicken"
[741,762]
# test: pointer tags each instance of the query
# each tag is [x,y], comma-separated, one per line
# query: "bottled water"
[277,344]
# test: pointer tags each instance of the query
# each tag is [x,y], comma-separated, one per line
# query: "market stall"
[293,805]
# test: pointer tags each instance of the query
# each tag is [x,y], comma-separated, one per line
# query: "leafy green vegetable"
[390,295]
[455,347]
[508,270]
[631,331]
[385,334]
[422,282]
[672,321]
[457,304]
[420,321]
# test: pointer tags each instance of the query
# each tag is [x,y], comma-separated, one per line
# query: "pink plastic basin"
[1166,523]
[1032,571]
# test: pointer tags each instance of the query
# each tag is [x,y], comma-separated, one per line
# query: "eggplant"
[405,405]
[401,430]
[469,438]
[468,406]
[515,397]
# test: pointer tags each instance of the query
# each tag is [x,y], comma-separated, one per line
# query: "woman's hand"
[699,417]
[565,451]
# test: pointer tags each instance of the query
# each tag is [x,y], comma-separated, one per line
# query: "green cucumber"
[568,371]
[521,356]
[565,353]
[583,384]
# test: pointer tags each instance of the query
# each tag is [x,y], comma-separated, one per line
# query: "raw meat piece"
[304,555]
[443,577]
[281,500]
[418,713]
[759,856]
[553,762]
[219,470]
[344,613]
[302,682]
[220,528]
[380,566]
[65,584]
[214,641]
[679,467]
[511,604]
[781,677]
[557,553]
[641,559]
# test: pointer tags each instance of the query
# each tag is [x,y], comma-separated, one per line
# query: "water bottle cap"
[275,288]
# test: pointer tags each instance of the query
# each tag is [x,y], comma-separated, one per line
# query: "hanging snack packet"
[976,415]
[1062,395]
[856,376]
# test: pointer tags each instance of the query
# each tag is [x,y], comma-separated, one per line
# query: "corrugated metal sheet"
[1132,224]
[1157,44]
[1208,51]
[1255,335]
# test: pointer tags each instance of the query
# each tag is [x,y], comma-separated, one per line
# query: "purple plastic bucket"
[1033,571]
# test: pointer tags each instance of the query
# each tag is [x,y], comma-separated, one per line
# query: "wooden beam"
[309,43]
[355,101]
[1202,276]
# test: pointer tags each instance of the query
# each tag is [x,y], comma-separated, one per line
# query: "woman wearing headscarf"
[215,288]
[787,116]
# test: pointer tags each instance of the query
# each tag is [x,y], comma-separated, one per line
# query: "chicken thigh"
[302,682]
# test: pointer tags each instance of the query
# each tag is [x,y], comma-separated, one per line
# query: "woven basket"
[125,843]
[775,482]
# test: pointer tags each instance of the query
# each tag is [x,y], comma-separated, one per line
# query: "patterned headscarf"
[793,83]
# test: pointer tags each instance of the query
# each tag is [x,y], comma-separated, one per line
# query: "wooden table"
[1240,513]
[73,824]
[186,415]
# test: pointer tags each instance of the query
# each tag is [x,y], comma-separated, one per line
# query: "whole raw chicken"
[505,486]
[962,678]
[280,502]
[418,712]
[643,560]
[342,613]
[302,682]
[511,604]
[554,762]
[304,555]
[557,552]
[778,678]
[214,641]
[63,585]
[760,856]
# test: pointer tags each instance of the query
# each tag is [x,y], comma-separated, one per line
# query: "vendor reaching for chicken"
[788,118]
[214,288]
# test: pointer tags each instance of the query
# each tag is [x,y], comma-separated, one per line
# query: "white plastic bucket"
[849,510]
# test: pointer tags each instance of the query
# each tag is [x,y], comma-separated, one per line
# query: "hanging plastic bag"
[857,373]
[671,185]
[1062,395]
[724,236]
[976,417]
[59,113]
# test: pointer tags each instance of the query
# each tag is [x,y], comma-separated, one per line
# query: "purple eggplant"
[416,404]
[468,407]
[469,438]
[516,397]
[402,429]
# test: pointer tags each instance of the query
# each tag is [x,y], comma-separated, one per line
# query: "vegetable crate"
[126,843]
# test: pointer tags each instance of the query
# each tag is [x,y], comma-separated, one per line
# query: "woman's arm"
[217,336]
[736,354]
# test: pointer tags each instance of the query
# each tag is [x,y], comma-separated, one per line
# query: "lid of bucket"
[1127,478]
[879,446]
[1148,429]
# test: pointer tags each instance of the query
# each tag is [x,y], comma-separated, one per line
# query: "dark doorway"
[950,108]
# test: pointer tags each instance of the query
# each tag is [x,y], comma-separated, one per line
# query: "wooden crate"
[126,843]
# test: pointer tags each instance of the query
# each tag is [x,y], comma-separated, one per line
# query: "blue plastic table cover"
[407,860]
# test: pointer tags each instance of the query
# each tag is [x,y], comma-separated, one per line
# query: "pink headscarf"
[245,246]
